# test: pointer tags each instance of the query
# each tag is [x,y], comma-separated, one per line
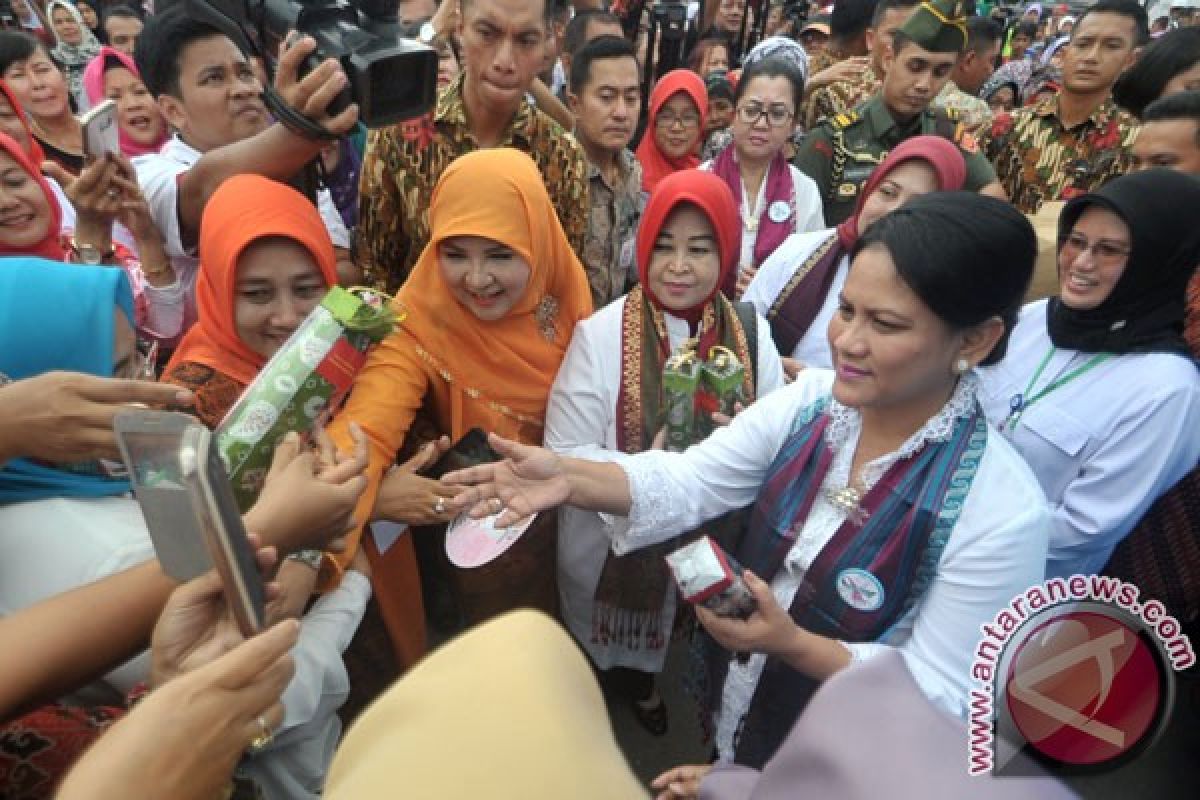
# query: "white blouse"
[1104,445]
[996,549]
[813,348]
[581,421]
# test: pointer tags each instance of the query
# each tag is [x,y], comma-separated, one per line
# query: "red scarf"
[50,245]
[36,154]
[655,164]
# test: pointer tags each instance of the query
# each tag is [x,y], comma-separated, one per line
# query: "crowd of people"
[948,251]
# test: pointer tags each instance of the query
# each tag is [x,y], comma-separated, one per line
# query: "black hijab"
[1144,312]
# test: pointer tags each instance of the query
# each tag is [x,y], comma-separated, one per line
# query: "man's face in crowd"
[879,38]
[1102,46]
[729,16]
[606,108]
[976,67]
[503,44]
[594,30]
[220,96]
[1171,143]
[123,32]
[913,77]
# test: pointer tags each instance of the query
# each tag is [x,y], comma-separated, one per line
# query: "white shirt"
[159,175]
[581,421]
[807,215]
[1104,445]
[813,348]
[996,549]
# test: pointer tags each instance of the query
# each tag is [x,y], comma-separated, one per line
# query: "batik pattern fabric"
[1038,159]
[404,162]
[839,97]
[613,215]
[975,114]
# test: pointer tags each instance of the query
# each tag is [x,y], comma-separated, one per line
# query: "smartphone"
[213,504]
[150,443]
[469,451]
[100,130]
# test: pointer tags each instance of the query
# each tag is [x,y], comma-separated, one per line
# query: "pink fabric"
[93,85]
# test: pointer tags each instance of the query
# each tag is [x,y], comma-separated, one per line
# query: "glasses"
[776,116]
[686,120]
[1102,250]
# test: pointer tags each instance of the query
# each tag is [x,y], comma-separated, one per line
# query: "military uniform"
[843,151]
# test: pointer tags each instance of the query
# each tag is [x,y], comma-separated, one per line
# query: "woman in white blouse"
[607,398]
[797,288]
[1099,392]
[834,464]
[775,199]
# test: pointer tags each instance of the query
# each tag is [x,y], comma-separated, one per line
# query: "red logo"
[1085,687]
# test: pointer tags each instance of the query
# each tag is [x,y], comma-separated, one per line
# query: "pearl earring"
[961,366]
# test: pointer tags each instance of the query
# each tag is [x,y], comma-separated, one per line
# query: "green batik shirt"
[403,163]
[1039,160]
[842,152]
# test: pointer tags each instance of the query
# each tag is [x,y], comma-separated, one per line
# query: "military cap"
[939,26]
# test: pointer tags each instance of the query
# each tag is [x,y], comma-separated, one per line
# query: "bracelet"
[310,558]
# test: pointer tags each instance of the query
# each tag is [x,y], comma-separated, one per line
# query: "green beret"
[939,26]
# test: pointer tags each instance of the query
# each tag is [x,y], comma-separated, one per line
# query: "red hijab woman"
[14,123]
[675,125]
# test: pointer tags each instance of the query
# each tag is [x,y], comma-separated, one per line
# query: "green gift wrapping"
[681,376]
[721,384]
[302,384]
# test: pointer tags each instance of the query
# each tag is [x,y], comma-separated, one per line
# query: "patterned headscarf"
[73,57]
[780,47]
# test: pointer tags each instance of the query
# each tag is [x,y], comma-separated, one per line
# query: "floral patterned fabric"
[404,162]
[38,749]
[1038,159]
[839,97]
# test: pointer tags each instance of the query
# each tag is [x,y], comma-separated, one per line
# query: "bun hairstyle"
[968,257]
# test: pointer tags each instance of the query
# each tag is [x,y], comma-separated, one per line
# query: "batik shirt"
[975,114]
[1037,159]
[404,162]
[839,97]
[608,249]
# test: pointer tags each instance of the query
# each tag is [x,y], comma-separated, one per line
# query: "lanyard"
[1023,400]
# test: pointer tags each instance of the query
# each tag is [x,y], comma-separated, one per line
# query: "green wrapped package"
[722,379]
[302,385]
[681,376]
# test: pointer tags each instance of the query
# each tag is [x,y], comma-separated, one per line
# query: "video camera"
[390,77]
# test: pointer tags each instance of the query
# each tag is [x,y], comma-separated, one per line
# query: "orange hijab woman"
[489,311]
[265,263]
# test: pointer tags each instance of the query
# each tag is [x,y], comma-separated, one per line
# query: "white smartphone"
[100,130]
[214,506]
[150,442]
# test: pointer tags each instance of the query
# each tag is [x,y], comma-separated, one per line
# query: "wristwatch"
[90,254]
[312,558]
[427,34]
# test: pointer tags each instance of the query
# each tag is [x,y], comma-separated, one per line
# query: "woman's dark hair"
[1143,83]
[14,47]
[771,67]
[969,257]
[1026,28]
[700,50]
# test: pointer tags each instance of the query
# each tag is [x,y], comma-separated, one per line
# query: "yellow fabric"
[1045,271]
[509,711]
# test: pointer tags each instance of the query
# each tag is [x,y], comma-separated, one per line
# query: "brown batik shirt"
[1037,159]
[838,98]
[403,163]
[608,250]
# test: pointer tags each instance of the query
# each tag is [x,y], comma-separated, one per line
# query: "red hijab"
[655,164]
[36,154]
[712,196]
[939,152]
[51,244]
[244,209]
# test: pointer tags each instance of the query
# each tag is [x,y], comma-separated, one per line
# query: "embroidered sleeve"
[654,512]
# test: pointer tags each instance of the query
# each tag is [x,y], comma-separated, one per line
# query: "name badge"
[779,211]
[859,589]
[847,190]
[625,259]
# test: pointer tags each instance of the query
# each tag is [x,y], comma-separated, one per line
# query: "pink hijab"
[93,85]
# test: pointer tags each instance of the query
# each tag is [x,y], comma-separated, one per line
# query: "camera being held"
[390,78]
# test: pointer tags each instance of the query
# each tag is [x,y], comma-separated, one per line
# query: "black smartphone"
[469,451]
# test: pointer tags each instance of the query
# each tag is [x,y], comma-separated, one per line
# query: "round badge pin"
[860,590]
[779,211]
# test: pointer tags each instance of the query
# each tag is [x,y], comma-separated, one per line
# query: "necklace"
[1020,402]
[848,500]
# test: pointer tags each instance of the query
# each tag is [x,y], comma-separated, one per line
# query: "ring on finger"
[265,736]
[497,504]
[439,507]
[113,193]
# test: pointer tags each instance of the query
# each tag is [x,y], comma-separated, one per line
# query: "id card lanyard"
[1023,400]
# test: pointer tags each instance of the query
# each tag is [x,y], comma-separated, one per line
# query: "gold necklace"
[848,500]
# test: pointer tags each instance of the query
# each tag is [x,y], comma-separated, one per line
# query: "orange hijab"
[244,209]
[499,194]
[655,164]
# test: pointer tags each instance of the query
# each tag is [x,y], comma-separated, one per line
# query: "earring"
[961,366]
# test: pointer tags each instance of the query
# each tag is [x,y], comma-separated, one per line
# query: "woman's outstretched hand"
[528,480]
